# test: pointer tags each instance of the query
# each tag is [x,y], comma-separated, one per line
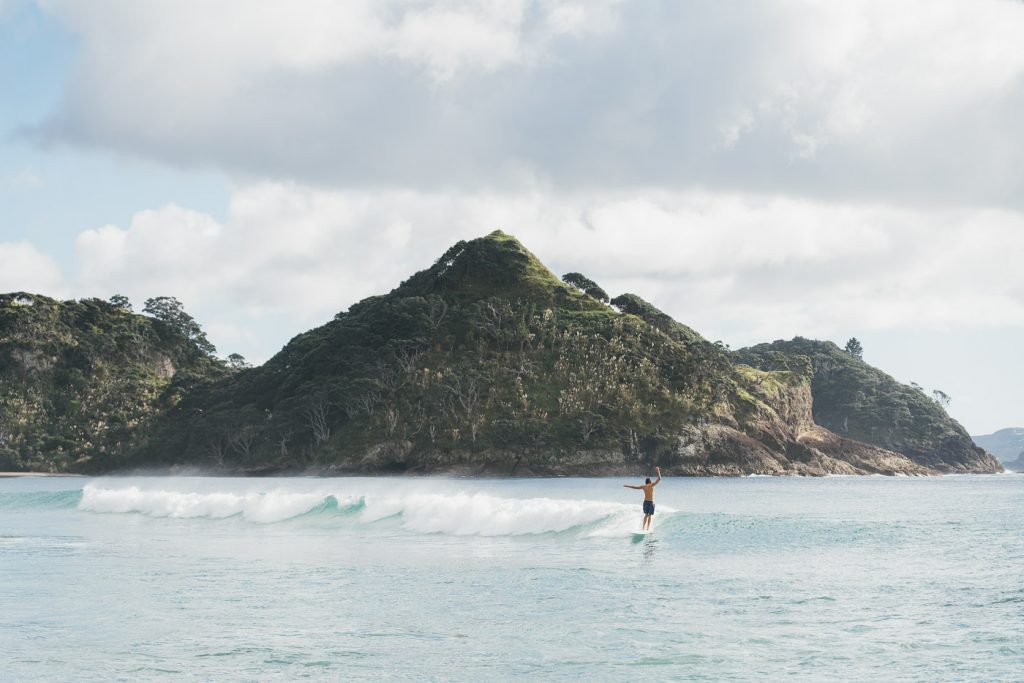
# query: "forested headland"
[484,363]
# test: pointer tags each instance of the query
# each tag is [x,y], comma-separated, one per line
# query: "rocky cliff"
[860,402]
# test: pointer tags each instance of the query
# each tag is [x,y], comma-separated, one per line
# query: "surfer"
[648,489]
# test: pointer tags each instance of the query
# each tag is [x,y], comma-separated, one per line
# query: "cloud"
[904,101]
[26,269]
[436,39]
[744,268]
[26,179]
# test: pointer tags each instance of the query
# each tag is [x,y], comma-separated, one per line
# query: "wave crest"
[461,514]
[264,508]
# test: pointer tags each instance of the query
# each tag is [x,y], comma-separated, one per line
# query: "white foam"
[269,507]
[481,514]
[455,513]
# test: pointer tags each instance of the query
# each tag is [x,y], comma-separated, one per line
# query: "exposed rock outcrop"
[862,403]
[782,438]
[783,441]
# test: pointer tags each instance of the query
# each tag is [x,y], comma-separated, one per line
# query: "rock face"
[163,366]
[31,361]
[860,402]
[782,438]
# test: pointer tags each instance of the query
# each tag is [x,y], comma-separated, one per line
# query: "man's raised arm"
[658,470]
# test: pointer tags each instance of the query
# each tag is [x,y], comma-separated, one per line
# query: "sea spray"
[482,514]
[259,507]
[456,512]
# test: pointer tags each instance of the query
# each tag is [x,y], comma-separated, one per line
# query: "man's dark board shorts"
[648,507]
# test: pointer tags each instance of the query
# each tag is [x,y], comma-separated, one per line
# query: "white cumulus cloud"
[24,268]
[898,100]
[741,267]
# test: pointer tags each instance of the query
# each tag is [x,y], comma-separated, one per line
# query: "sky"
[759,170]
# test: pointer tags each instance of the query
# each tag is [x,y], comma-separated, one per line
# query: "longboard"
[643,532]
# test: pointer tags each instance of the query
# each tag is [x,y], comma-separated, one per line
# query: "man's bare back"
[648,489]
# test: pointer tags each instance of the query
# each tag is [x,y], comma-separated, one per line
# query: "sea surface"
[840,578]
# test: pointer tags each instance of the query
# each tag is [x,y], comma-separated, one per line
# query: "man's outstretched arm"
[656,481]
[629,486]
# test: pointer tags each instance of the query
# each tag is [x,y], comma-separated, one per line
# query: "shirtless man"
[648,489]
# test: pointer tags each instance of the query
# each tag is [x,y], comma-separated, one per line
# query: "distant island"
[1007,445]
[486,363]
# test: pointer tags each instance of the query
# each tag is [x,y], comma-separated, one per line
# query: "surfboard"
[642,532]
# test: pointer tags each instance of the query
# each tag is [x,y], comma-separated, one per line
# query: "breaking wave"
[263,508]
[458,513]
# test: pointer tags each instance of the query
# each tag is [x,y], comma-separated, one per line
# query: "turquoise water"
[844,578]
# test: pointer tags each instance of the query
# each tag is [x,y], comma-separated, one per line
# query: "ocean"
[401,578]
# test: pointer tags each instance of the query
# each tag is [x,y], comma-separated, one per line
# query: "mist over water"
[419,578]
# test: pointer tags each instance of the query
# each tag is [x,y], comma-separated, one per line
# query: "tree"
[596,292]
[236,361]
[942,398]
[436,312]
[316,418]
[242,441]
[854,348]
[169,311]
[493,317]
[122,302]
[588,286]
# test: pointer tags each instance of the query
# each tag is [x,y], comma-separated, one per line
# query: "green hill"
[82,381]
[485,362]
[856,400]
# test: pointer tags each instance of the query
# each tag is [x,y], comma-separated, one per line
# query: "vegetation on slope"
[486,361]
[858,401]
[486,350]
[80,380]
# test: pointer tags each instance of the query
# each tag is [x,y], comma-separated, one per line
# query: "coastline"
[11,475]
